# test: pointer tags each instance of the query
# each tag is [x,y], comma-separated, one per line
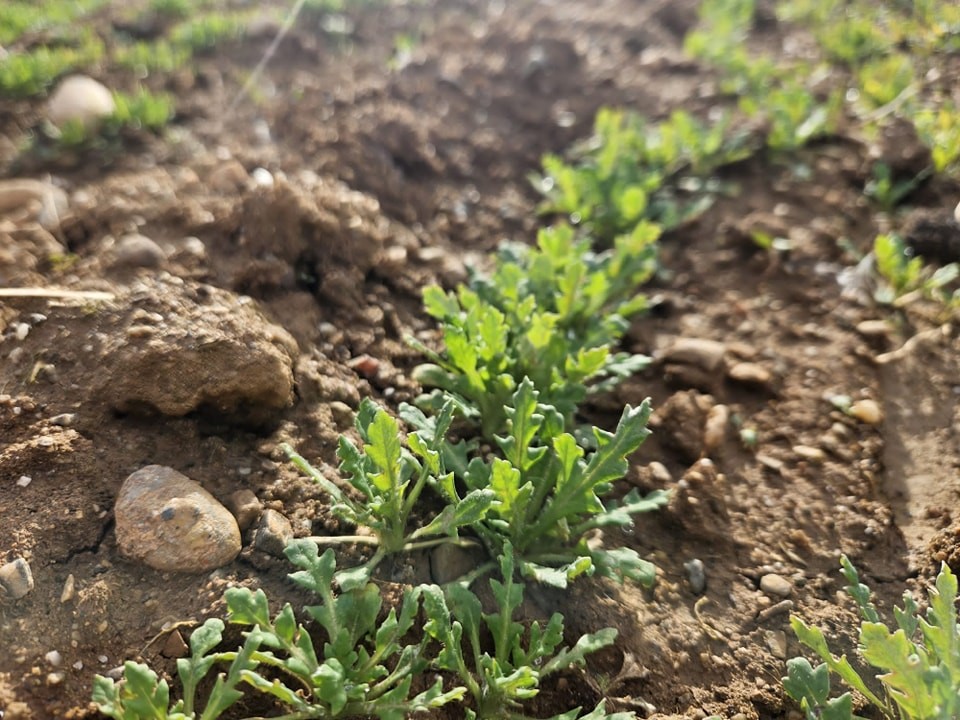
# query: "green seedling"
[143,110]
[903,274]
[23,16]
[795,116]
[882,80]
[917,665]
[631,171]
[206,32]
[171,8]
[550,493]
[521,657]
[27,74]
[390,479]
[939,129]
[889,192]
[552,314]
[144,58]
[362,669]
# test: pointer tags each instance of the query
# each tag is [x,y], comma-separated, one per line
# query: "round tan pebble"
[80,99]
[169,522]
[867,411]
[773,584]
[750,373]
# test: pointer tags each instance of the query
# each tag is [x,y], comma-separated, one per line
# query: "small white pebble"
[24,481]
[45,441]
[54,658]
[102,659]
[55,678]
[21,330]
[78,665]
[262,177]
[69,589]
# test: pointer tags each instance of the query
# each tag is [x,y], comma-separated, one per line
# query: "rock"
[696,576]
[811,454]
[273,533]
[246,508]
[771,463]
[867,411]
[873,328]
[715,428]
[229,178]
[210,352]
[69,589]
[169,522]
[64,419]
[660,473]
[777,642]
[342,414]
[750,374]
[773,584]
[680,423]
[704,354]
[174,646]
[80,99]
[16,580]
[449,562]
[49,202]
[364,365]
[135,250]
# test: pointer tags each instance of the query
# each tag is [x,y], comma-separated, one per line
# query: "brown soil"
[387,180]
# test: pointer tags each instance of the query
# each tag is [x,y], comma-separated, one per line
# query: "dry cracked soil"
[265,309]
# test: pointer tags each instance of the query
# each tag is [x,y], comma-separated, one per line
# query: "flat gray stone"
[169,522]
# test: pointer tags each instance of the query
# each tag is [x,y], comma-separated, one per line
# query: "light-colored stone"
[750,373]
[245,506]
[212,352]
[777,642]
[873,328]
[273,533]
[16,580]
[867,411]
[811,454]
[81,99]
[715,428]
[50,202]
[69,589]
[169,522]
[135,250]
[660,473]
[705,354]
[773,584]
